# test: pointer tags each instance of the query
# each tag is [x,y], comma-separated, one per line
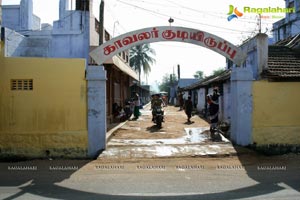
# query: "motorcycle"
[158,116]
[215,134]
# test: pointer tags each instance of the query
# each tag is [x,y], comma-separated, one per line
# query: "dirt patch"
[144,128]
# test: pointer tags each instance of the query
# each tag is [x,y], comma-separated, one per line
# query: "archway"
[168,33]
[96,75]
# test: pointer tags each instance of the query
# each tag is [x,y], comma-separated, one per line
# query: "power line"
[154,3]
[203,12]
[190,21]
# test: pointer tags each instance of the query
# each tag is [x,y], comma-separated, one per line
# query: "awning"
[122,66]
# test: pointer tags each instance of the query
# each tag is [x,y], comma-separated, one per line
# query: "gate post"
[96,77]
[241,105]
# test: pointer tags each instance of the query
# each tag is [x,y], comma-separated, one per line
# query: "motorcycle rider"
[156,102]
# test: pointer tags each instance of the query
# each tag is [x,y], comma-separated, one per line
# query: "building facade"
[262,109]
[96,87]
[290,25]
[43,105]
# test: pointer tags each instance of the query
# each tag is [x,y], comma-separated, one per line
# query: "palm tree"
[141,59]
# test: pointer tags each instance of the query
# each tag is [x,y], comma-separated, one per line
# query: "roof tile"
[283,63]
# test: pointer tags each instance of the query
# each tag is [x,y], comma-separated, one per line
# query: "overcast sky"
[122,16]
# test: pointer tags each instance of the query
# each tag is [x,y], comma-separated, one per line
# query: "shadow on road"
[189,123]
[57,192]
[44,182]
[154,128]
[271,170]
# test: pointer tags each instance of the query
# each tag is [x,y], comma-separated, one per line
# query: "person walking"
[188,108]
[137,105]
[213,108]
[180,99]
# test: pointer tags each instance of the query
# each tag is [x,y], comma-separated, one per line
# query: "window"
[297,5]
[97,26]
[284,32]
[107,36]
[21,84]
[82,5]
[278,34]
[229,64]
[291,4]
[123,55]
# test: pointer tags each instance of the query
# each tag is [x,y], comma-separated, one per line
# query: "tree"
[218,71]
[141,59]
[167,81]
[199,75]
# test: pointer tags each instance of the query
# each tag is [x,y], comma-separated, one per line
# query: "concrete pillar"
[262,52]
[241,106]
[63,7]
[96,77]
[257,54]
[26,15]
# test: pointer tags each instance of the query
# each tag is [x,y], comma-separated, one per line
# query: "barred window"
[22,84]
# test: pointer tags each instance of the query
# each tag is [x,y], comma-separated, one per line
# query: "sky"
[122,16]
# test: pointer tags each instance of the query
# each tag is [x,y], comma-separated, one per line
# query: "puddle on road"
[192,136]
[193,143]
[165,151]
[168,151]
[196,135]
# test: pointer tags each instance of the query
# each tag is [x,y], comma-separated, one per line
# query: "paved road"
[243,177]
[142,162]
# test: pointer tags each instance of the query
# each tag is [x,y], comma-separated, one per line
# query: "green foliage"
[141,59]
[218,71]
[199,75]
[167,81]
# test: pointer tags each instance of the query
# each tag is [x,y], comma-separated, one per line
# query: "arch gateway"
[241,79]
[168,33]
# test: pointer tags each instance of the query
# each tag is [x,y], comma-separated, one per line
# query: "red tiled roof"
[291,42]
[283,63]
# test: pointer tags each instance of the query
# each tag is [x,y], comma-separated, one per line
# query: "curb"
[110,133]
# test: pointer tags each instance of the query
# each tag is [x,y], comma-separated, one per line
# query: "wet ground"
[141,138]
[141,161]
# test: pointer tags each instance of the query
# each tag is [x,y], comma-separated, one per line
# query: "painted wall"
[1,49]
[276,112]
[226,102]
[257,54]
[13,42]
[70,36]
[11,17]
[201,100]
[51,117]
[68,39]
[21,17]
[288,26]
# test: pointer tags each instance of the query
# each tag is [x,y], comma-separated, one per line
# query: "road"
[142,162]
[239,177]
[143,139]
